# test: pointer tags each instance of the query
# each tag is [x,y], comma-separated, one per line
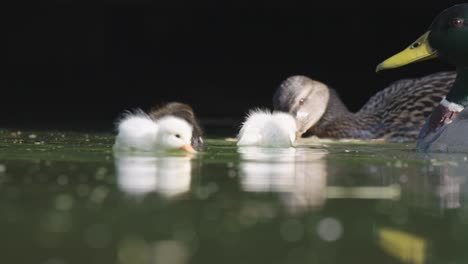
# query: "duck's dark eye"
[458,22]
[177,135]
[302,101]
[415,45]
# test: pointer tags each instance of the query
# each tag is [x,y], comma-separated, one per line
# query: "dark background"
[79,66]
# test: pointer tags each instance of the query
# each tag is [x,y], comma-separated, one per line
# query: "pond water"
[66,198]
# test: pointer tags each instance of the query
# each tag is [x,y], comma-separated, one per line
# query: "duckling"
[395,114]
[139,132]
[446,129]
[263,128]
[185,112]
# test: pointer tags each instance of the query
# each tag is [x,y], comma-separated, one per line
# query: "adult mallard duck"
[171,126]
[447,37]
[396,113]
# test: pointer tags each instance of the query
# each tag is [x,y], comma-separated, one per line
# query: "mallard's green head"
[447,38]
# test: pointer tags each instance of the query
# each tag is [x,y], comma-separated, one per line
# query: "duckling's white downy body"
[138,132]
[265,129]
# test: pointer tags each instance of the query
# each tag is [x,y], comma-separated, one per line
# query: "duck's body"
[265,129]
[396,113]
[447,127]
[452,137]
[164,128]
[439,120]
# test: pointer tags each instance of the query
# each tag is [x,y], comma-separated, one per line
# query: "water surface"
[67,198]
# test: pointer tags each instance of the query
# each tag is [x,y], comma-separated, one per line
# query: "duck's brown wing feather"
[398,112]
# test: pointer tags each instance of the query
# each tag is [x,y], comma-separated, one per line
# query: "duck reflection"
[167,175]
[444,180]
[439,189]
[402,245]
[298,175]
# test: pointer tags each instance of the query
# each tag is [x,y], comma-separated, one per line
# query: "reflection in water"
[139,175]
[392,191]
[305,178]
[442,183]
[402,245]
[438,187]
[298,175]
[51,202]
[134,250]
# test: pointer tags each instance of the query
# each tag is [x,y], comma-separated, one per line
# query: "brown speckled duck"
[395,114]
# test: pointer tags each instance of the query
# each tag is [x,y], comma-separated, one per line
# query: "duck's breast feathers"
[442,115]
[450,136]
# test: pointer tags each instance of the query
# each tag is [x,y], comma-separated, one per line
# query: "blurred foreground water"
[67,198]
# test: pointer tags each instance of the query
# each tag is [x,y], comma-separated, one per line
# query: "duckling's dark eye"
[458,22]
[177,135]
[302,101]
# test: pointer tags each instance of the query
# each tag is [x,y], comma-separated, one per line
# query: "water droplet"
[403,178]
[329,229]
[62,180]
[63,202]
[100,173]
[398,164]
[170,252]
[99,194]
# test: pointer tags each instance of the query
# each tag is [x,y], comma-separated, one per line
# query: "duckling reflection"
[140,175]
[298,175]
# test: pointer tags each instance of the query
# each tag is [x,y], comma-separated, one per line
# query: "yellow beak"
[418,51]
[188,148]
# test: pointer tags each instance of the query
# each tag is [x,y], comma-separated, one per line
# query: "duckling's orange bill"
[188,148]
[418,51]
